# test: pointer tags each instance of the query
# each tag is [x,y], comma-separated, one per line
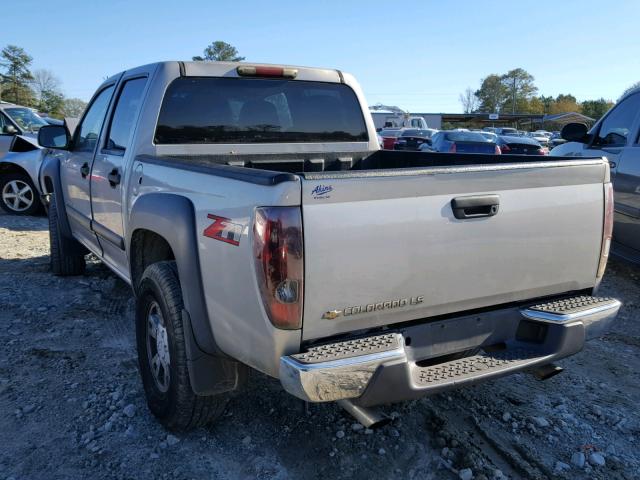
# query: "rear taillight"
[505,148]
[452,148]
[497,150]
[607,231]
[278,253]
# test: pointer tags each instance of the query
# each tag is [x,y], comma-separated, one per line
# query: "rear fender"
[173,218]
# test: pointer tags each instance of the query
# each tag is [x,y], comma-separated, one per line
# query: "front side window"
[615,128]
[125,113]
[88,131]
[26,118]
[257,110]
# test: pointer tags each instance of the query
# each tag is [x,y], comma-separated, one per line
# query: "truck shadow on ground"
[24,223]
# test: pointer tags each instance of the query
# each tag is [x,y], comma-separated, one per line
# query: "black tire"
[178,408]
[22,208]
[66,255]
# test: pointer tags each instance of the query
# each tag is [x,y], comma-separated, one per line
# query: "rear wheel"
[18,196]
[162,353]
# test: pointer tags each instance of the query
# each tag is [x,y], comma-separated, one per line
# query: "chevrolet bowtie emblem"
[331,315]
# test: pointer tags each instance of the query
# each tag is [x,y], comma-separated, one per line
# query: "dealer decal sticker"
[223,229]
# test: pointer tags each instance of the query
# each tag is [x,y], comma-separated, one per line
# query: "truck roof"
[229,69]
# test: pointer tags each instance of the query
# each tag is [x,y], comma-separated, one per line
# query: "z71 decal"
[223,229]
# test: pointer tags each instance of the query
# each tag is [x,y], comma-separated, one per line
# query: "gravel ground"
[71,404]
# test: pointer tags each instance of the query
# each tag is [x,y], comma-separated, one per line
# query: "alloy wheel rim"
[158,347]
[17,195]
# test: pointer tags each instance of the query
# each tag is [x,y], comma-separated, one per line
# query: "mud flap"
[209,374]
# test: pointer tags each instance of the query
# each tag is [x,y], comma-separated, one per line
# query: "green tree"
[219,51]
[14,82]
[535,105]
[595,108]
[564,104]
[491,94]
[546,102]
[520,87]
[73,107]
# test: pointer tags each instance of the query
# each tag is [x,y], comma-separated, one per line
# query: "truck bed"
[297,163]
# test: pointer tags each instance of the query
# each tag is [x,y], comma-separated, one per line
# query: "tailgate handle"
[475,206]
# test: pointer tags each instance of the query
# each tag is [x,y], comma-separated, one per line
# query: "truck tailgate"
[383,247]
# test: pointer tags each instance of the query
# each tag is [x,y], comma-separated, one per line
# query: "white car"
[540,138]
[19,169]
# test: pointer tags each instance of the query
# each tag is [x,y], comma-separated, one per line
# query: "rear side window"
[125,113]
[241,110]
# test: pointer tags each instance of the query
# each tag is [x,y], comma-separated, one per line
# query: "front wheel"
[162,354]
[18,195]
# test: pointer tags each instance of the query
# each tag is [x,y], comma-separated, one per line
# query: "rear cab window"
[206,110]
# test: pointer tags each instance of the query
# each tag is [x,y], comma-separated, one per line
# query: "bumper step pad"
[350,349]
[569,306]
[474,366]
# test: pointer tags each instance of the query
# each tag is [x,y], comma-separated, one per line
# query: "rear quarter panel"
[236,315]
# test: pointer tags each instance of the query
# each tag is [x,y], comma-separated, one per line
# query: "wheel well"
[147,247]
[6,168]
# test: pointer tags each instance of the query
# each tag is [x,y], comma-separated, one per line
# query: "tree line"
[516,92]
[39,89]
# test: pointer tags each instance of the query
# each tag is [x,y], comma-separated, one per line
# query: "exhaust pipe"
[546,371]
[368,417]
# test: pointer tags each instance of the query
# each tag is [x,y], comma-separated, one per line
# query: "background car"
[389,136]
[413,138]
[510,145]
[556,139]
[493,137]
[461,142]
[615,136]
[506,131]
[17,120]
[540,137]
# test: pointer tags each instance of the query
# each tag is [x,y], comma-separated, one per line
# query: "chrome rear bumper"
[383,368]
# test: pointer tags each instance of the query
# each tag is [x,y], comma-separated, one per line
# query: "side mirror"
[9,130]
[54,136]
[575,132]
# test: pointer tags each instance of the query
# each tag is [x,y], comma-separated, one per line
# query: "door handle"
[475,206]
[114,178]
[84,170]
